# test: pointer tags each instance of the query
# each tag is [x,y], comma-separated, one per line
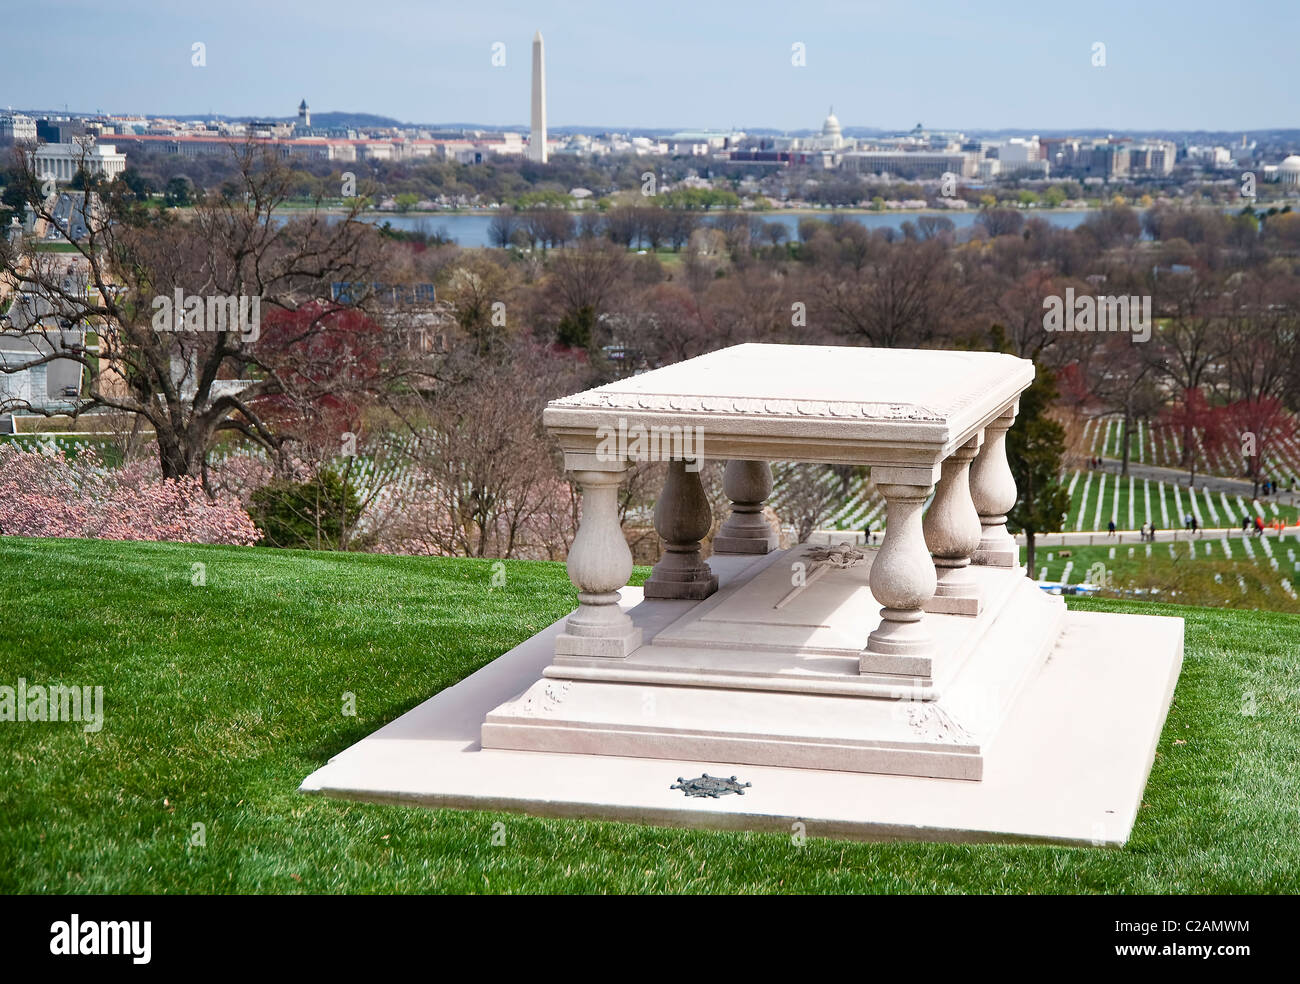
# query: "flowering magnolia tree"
[46,492]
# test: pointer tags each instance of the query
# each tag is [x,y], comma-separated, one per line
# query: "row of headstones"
[1288,447]
[1191,554]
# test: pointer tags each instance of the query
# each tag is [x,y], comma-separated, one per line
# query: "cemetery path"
[1178,476]
[1102,538]
[1089,538]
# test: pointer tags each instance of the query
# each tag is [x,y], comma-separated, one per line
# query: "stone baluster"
[902,573]
[747,484]
[682,518]
[952,532]
[993,489]
[599,564]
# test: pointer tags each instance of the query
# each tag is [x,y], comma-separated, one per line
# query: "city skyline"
[883,66]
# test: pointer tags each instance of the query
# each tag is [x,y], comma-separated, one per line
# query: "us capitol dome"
[832,135]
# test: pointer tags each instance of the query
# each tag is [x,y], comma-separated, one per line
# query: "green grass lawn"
[220,699]
[1197,573]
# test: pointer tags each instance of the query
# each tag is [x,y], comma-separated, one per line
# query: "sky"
[1186,65]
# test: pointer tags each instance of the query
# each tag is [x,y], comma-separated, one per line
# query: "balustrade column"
[747,484]
[682,518]
[902,573]
[993,489]
[952,532]
[599,564]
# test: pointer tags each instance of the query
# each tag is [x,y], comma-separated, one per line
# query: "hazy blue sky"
[1169,65]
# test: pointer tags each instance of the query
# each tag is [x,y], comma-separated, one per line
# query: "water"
[471,228]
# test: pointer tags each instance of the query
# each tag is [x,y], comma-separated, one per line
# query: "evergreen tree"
[1035,447]
[320,514]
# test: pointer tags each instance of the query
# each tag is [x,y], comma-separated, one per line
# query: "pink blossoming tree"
[46,492]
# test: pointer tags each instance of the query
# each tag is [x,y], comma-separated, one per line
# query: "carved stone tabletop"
[828,404]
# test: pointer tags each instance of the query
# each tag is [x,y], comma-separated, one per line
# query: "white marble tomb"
[926,662]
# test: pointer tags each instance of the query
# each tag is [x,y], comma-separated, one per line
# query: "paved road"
[1178,476]
[1092,538]
[1086,538]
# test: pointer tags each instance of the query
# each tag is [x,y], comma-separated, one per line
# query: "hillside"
[221,697]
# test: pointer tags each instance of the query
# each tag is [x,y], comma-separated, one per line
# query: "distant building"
[711,139]
[377,150]
[311,148]
[62,161]
[830,140]
[270,130]
[910,164]
[1017,151]
[1108,160]
[1057,151]
[36,332]
[1098,160]
[59,131]
[1152,157]
[1016,156]
[1288,172]
[304,115]
[15,126]
[832,136]
[1212,157]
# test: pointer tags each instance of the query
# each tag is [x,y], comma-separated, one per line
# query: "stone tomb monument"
[924,689]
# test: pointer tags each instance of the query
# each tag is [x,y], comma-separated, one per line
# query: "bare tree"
[1000,221]
[491,484]
[1190,342]
[208,368]
[902,297]
[502,228]
[808,493]
[582,283]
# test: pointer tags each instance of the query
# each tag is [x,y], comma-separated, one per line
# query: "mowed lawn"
[220,698]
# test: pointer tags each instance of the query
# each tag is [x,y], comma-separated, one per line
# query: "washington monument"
[537,134]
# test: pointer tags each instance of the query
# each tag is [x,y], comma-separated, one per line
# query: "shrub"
[319,514]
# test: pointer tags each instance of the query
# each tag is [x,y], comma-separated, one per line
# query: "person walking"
[1194,525]
[1245,522]
[1259,525]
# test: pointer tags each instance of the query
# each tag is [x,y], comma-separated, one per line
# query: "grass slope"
[1243,583]
[219,699]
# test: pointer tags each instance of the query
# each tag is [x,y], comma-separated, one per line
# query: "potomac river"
[471,228]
